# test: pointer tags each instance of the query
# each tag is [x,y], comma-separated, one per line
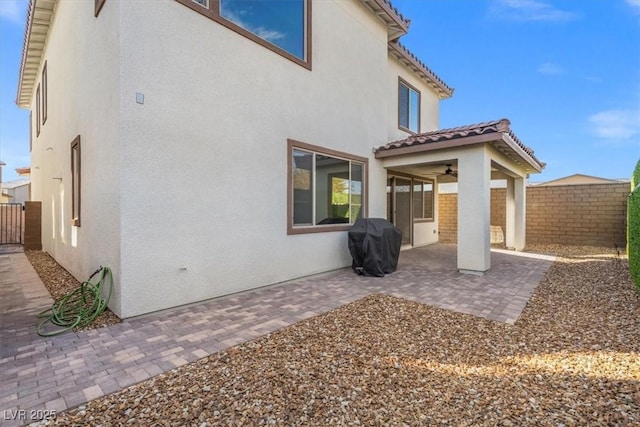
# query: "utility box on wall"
[33,226]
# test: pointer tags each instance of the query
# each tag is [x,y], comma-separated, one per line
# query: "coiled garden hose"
[79,307]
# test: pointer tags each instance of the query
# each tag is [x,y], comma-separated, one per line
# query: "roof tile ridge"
[397,12]
[431,73]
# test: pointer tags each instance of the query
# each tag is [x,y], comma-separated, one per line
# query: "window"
[422,200]
[30,131]
[98,6]
[283,26]
[327,189]
[38,111]
[44,93]
[408,107]
[75,181]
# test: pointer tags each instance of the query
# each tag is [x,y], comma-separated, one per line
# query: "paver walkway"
[53,374]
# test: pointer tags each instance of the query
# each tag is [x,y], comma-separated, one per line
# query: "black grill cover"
[374,244]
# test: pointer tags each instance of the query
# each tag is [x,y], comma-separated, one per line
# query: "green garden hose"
[79,307]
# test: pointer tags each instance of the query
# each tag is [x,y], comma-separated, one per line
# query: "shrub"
[633,227]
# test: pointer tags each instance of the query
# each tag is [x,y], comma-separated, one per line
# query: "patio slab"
[62,372]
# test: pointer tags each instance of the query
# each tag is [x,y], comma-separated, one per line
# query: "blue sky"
[565,72]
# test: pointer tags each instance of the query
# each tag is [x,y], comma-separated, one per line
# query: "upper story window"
[283,26]
[326,189]
[38,111]
[44,93]
[408,107]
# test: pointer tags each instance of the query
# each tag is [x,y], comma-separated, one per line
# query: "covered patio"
[472,156]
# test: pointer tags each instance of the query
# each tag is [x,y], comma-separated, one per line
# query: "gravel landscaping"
[572,359]
[59,282]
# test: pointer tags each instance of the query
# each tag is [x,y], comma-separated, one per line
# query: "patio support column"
[520,221]
[474,211]
[510,215]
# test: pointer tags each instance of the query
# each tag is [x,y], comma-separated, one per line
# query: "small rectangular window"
[326,189]
[75,181]
[30,131]
[408,107]
[38,111]
[44,93]
[422,199]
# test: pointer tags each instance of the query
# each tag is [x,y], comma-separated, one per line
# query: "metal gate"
[11,224]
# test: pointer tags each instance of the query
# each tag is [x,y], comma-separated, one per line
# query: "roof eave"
[397,25]
[502,141]
[412,63]
[39,14]
[535,165]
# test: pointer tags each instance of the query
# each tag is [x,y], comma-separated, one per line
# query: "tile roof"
[497,127]
[397,24]
[24,170]
[396,11]
[400,52]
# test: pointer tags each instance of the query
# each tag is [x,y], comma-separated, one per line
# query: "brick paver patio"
[53,374]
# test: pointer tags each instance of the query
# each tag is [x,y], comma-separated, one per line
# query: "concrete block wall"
[587,214]
[448,221]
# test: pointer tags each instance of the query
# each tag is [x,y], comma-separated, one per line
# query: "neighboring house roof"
[408,59]
[2,163]
[497,132]
[397,25]
[10,185]
[23,171]
[39,15]
[578,179]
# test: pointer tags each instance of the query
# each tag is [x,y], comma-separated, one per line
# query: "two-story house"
[205,147]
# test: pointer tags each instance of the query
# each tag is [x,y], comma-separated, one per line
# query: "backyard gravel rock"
[59,282]
[572,359]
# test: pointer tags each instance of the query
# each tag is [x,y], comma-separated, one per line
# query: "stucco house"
[15,191]
[205,147]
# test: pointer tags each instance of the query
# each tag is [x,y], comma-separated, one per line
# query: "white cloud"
[635,4]
[616,124]
[530,10]
[550,69]
[13,10]
[262,32]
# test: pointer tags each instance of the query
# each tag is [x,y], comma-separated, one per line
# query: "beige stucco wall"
[207,153]
[82,100]
[185,195]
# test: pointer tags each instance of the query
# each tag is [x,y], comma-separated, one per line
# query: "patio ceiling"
[497,133]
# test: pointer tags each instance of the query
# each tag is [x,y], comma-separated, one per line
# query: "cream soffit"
[409,60]
[39,16]
[397,25]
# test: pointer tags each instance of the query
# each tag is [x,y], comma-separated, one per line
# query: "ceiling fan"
[449,171]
